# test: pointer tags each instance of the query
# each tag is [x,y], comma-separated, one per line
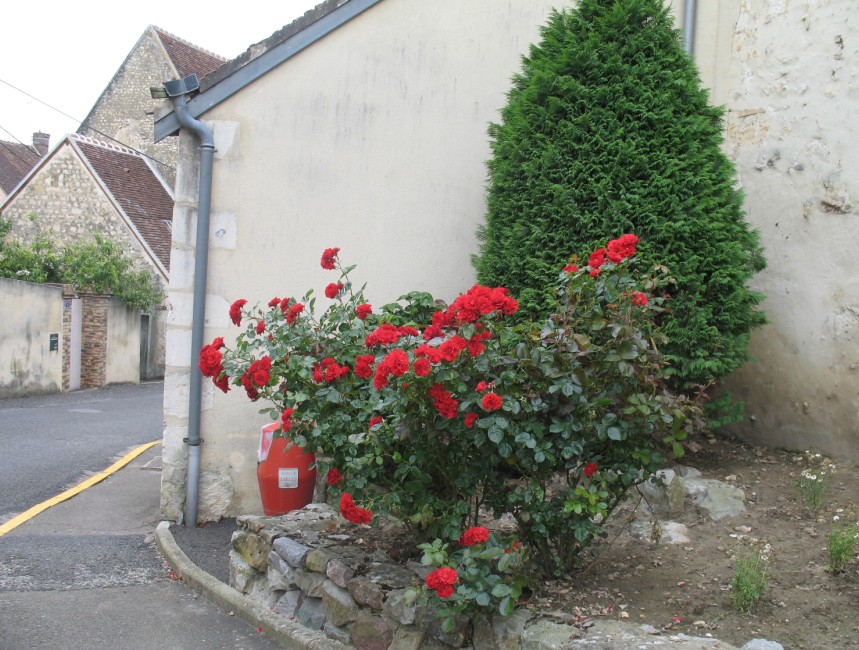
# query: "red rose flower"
[470,419]
[236,311]
[353,513]
[397,362]
[639,299]
[491,402]
[451,348]
[442,580]
[422,367]
[286,420]
[364,310]
[274,302]
[481,386]
[334,476]
[218,342]
[376,419]
[364,365]
[571,268]
[293,312]
[385,334]
[590,469]
[329,256]
[333,289]
[260,328]
[474,535]
[597,258]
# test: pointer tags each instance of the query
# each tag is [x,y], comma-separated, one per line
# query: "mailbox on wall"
[54,342]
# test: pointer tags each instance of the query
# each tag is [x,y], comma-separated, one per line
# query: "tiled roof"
[16,161]
[188,58]
[140,193]
[321,10]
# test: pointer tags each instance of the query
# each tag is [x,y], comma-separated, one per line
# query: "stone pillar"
[69,293]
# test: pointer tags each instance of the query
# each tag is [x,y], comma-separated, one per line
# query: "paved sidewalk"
[86,574]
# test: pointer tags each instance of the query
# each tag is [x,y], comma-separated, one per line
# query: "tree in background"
[97,264]
[608,130]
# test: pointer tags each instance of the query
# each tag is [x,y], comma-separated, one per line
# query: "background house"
[85,186]
[123,114]
[17,159]
[109,178]
[363,125]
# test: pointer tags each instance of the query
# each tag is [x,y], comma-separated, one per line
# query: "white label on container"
[287,477]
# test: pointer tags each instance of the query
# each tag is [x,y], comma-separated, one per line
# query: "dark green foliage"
[607,131]
[97,264]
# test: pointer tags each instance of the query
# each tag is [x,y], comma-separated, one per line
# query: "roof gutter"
[176,91]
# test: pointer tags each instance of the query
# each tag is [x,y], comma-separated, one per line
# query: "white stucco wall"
[123,344]
[374,140]
[793,132]
[30,314]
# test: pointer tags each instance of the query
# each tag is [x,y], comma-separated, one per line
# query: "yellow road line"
[80,487]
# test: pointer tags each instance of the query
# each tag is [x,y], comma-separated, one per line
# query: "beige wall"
[793,132]
[374,140]
[123,344]
[30,314]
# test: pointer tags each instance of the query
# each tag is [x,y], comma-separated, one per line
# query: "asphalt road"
[49,443]
[86,573]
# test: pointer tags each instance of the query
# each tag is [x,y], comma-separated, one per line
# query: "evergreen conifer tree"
[608,130]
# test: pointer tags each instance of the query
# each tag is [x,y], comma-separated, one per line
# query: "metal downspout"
[689,27]
[201,262]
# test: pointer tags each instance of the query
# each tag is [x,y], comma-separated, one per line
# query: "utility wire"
[74,119]
[6,146]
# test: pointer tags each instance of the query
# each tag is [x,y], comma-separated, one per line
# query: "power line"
[6,146]
[74,119]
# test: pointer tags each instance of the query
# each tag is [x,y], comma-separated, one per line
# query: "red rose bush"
[436,413]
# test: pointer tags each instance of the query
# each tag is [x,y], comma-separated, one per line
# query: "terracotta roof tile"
[136,188]
[16,161]
[188,58]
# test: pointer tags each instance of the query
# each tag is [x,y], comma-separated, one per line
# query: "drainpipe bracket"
[190,443]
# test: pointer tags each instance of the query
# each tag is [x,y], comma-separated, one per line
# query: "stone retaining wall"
[310,566]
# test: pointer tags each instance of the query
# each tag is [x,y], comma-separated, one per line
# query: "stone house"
[123,114]
[17,159]
[363,125]
[70,204]
[84,186]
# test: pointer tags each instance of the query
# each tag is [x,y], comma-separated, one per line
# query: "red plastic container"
[286,480]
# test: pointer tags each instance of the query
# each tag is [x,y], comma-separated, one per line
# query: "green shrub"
[97,263]
[608,130]
[436,420]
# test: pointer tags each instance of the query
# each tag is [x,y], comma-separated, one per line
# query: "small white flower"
[836,518]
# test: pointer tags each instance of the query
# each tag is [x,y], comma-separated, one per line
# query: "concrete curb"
[288,633]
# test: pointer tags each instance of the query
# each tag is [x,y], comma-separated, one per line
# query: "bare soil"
[686,587]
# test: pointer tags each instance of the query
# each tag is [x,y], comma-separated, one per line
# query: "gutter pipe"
[201,262]
[689,27]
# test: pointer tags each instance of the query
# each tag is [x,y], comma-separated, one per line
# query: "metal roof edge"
[256,68]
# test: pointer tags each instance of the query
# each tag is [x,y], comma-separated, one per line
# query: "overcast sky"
[65,53]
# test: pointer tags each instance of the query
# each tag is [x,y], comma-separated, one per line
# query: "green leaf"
[507,606]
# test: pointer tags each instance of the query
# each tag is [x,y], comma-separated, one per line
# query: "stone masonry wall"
[125,110]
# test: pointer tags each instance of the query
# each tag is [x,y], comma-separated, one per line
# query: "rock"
[317,560]
[716,499]
[501,633]
[762,644]
[669,532]
[251,548]
[310,583]
[339,572]
[340,607]
[397,608]
[281,576]
[311,613]
[407,638]
[366,592]
[545,635]
[374,633]
[290,550]
[288,604]
[242,575]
